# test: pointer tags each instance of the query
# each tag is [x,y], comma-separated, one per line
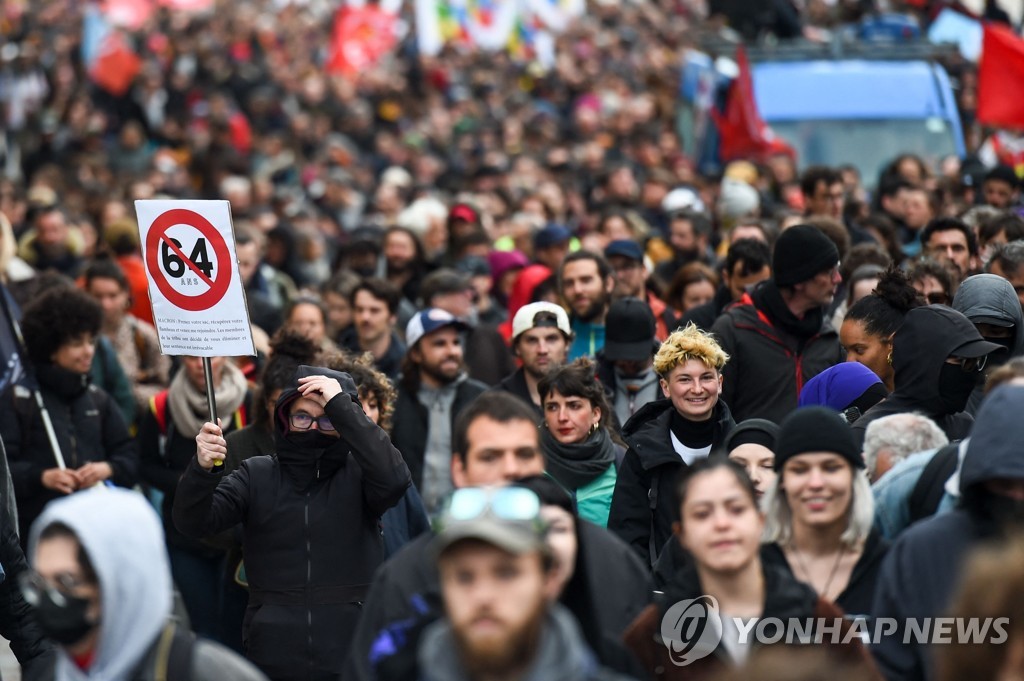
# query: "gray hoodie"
[133,570]
[124,539]
[987,298]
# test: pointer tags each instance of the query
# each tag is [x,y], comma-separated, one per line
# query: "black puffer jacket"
[88,425]
[643,497]
[920,347]
[312,535]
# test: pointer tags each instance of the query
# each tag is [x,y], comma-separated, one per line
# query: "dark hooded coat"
[312,535]
[921,571]
[920,347]
[990,299]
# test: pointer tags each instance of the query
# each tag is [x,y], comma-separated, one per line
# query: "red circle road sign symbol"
[218,285]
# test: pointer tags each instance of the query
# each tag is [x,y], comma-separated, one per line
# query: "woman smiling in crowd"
[820,510]
[667,435]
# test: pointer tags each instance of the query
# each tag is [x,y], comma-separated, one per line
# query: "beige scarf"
[188,404]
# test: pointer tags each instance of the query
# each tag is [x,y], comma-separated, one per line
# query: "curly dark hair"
[288,349]
[370,381]
[882,311]
[57,317]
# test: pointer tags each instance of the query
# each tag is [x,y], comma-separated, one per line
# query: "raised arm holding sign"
[197,294]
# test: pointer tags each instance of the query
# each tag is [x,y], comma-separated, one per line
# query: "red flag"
[116,66]
[1000,75]
[362,35]
[743,133]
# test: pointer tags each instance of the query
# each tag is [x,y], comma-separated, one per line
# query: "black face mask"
[1007,511]
[66,623]
[311,439]
[955,387]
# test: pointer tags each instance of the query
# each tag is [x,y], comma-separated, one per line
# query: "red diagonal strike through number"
[181,254]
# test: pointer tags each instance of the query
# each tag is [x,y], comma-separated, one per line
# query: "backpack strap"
[158,407]
[174,653]
[931,486]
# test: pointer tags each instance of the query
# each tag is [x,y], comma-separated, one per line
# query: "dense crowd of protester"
[527,376]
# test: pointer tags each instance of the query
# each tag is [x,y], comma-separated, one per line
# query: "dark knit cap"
[801,252]
[816,429]
[753,432]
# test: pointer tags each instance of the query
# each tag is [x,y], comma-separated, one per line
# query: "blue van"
[860,112]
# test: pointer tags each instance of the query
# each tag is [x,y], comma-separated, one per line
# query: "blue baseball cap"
[551,235]
[428,321]
[626,248]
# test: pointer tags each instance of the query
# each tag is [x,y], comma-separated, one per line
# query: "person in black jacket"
[820,511]
[17,623]
[60,329]
[495,443]
[778,335]
[937,360]
[311,521]
[166,437]
[919,576]
[432,391]
[720,528]
[666,436]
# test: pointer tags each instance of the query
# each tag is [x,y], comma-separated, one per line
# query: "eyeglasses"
[505,503]
[937,298]
[33,585]
[970,365]
[303,421]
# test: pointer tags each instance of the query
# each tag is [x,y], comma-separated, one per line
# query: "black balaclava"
[956,386]
[307,455]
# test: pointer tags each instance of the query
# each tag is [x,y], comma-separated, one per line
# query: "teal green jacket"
[594,501]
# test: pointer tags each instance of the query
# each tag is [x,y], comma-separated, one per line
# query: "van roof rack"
[836,49]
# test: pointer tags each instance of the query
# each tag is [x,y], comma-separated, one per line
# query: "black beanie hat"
[753,432]
[801,252]
[816,429]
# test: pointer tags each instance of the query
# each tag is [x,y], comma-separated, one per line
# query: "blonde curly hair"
[686,344]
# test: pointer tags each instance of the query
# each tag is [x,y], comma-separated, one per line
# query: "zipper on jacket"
[309,584]
[74,441]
